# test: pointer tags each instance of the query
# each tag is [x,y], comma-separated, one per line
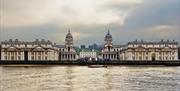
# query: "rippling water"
[82,78]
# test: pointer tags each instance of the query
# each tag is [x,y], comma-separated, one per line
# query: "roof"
[69,35]
[153,42]
[16,41]
[59,46]
[86,50]
[118,46]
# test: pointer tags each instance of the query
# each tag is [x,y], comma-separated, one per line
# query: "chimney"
[10,40]
[16,40]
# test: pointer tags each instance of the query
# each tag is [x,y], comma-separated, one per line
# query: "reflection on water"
[82,78]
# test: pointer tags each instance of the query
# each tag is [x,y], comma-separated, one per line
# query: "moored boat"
[97,66]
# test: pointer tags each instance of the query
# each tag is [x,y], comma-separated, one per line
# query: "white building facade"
[67,51]
[142,50]
[46,50]
[84,54]
[110,51]
[21,50]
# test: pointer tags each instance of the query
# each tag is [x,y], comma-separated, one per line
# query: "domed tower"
[69,41]
[108,41]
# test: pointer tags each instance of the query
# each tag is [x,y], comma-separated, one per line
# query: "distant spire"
[108,28]
[69,30]
[108,32]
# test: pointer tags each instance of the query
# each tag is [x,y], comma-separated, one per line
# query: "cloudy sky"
[89,20]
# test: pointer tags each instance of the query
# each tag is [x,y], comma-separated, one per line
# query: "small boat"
[97,66]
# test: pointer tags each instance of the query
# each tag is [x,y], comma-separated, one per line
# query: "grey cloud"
[139,24]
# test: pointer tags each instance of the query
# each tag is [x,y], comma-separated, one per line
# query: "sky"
[89,20]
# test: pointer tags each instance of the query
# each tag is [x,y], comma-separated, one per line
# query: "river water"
[82,78]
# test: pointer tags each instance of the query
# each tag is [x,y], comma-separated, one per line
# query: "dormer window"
[166,45]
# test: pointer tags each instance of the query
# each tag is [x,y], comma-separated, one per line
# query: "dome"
[108,37]
[69,36]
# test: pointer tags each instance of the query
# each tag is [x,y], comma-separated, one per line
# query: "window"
[140,58]
[133,58]
[19,57]
[45,57]
[160,58]
[39,57]
[133,53]
[32,57]
[166,45]
[12,57]
[19,53]
[159,53]
[166,53]
[5,57]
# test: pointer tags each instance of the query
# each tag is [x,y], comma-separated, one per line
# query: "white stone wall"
[87,54]
[14,50]
[12,55]
[166,51]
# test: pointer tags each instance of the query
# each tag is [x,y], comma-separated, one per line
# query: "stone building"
[87,53]
[21,50]
[0,51]
[142,50]
[110,51]
[46,50]
[67,51]
[179,52]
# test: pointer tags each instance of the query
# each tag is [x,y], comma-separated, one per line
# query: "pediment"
[140,48]
[38,48]
[12,48]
